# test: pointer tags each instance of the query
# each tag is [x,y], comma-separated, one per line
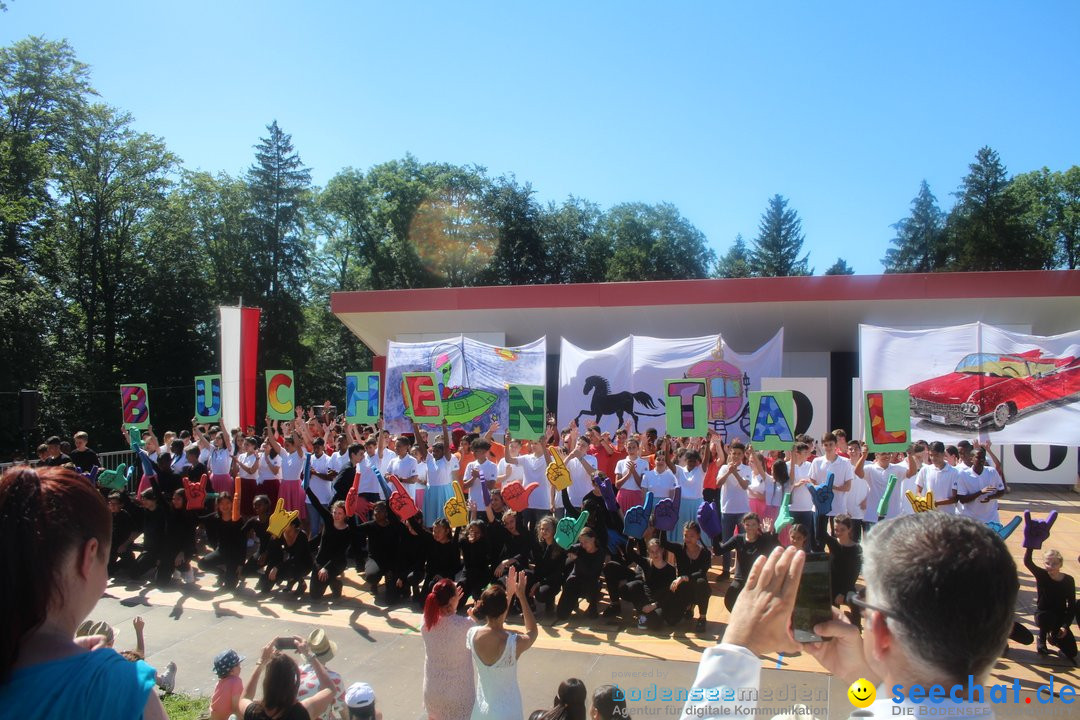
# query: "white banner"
[474,378]
[1038,464]
[626,380]
[979,379]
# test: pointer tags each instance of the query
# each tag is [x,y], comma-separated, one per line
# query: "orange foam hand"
[921,504]
[517,495]
[400,502]
[557,473]
[236,501]
[281,519]
[195,493]
[457,512]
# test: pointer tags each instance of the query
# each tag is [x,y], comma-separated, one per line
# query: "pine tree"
[735,263]
[776,249]
[920,237]
[840,267]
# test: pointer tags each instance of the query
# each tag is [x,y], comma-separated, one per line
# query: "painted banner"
[886,420]
[811,398]
[280,395]
[628,381]
[363,397]
[208,398]
[1038,464]
[979,379]
[528,411]
[474,379]
[135,405]
[239,363]
[772,419]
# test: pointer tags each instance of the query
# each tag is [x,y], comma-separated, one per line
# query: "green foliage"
[920,237]
[775,252]
[654,242]
[840,267]
[184,707]
[735,263]
[1052,200]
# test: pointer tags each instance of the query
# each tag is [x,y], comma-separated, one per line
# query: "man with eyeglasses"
[930,618]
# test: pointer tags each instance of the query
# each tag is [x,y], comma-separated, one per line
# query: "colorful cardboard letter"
[887,419]
[772,419]
[363,395]
[526,411]
[687,413]
[208,398]
[135,404]
[280,395]
[422,401]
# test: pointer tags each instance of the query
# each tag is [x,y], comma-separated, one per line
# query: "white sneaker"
[189,575]
[167,680]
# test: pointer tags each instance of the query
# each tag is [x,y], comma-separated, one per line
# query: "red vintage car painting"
[989,389]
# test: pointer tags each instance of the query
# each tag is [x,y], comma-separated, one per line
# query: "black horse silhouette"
[617,404]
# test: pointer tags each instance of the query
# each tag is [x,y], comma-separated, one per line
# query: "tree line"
[116,256]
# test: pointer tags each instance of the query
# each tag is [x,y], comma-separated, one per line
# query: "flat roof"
[818,313]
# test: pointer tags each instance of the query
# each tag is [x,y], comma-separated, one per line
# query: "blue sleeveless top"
[91,685]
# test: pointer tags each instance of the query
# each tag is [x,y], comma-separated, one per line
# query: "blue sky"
[841,107]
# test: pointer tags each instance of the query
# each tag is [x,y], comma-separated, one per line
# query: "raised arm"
[270,437]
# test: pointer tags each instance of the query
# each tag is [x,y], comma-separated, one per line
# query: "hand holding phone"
[285,643]
[813,603]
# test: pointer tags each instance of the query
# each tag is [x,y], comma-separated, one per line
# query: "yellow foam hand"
[557,474]
[921,504]
[457,512]
[280,519]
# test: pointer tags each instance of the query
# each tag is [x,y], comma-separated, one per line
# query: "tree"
[1052,200]
[840,267]
[986,229]
[654,242]
[775,252]
[575,249]
[279,188]
[519,258]
[735,263]
[920,237]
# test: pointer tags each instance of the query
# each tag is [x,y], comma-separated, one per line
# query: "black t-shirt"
[85,459]
[57,461]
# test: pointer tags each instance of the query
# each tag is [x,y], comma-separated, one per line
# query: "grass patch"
[184,707]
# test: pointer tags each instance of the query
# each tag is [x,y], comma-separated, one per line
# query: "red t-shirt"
[605,461]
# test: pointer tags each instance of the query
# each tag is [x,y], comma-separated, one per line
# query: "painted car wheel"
[1001,415]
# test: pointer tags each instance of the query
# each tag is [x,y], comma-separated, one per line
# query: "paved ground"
[382,646]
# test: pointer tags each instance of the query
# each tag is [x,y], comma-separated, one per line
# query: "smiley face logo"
[861,693]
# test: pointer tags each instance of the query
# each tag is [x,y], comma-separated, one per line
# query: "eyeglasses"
[857,598]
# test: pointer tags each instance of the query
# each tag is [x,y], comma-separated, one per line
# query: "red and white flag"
[239,364]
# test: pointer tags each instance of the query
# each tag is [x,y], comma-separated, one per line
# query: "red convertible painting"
[991,390]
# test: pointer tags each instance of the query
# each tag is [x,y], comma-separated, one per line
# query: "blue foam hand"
[92,473]
[823,495]
[666,516]
[1004,531]
[387,492]
[709,520]
[637,518]
[147,464]
[608,493]
[616,540]
[307,471]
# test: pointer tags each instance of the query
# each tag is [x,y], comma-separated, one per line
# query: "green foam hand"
[113,479]
[883,503]
[568,529]
[783,518]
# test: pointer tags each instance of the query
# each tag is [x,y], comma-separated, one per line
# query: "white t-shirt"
[969,483]
[246,459]
[733,499]
[489,472]
[204,456]
[369,483]
[180,463]
[292,465]
[878,479]
[623,467]
[441,472]
[220,461]
[580,480]
[323,489]
[842,472]
[800,496]
[940,482]
[513,473]
[690,482]
[534,470]
[269,468]
[385,459]
[403,467]
[860,491]
[339,461]
[660,484]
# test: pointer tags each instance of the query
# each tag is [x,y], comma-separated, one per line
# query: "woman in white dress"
[448,673]
[495,650]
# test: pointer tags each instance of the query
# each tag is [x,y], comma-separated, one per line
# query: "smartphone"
[285,643]
[813,603]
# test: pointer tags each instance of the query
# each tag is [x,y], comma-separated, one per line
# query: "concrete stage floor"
[382,646]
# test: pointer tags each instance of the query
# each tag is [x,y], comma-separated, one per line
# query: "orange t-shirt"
[465,456]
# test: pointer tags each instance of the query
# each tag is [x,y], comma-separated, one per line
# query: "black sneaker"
[1041,648]
[612,611]
[593,612]
[699,626]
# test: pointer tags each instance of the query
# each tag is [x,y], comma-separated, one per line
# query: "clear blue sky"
[843,108]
